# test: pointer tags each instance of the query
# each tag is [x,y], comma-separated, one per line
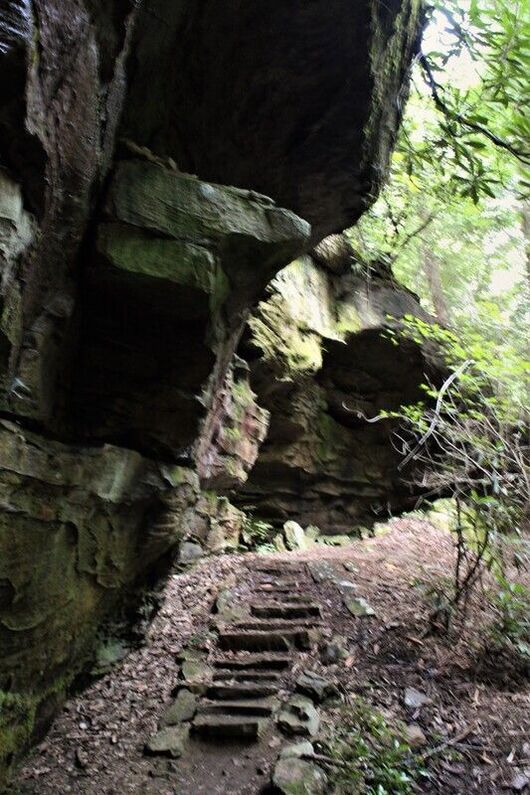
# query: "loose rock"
[294,536]
[316,687]
[297,777]
[299,716]
[415,735]
[415,699]
[196,672]
[189,552]
[359,607]
[334,651]
[304,748]
[182,709]
[168,742]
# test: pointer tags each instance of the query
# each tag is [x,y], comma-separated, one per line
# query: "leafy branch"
[435,89]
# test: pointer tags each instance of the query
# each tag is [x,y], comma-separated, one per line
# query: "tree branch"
[430,430]
[411,235]
[434,87]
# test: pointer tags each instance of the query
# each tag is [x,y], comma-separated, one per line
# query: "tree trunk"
[525,225]
[431,268]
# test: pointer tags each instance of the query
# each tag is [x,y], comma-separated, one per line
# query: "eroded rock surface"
[323,364]
[139,144]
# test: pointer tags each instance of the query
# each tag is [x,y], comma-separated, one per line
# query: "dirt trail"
[97,745]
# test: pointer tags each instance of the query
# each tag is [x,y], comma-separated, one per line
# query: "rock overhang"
[301,102]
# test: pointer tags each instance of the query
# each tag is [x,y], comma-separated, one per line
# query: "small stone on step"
[168,742]
[415,735]
[415,699]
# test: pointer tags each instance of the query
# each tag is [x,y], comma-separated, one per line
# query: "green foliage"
[454,207]
[17,715]
[493,37]
[470,440]
[512,627]
[374,757]
[257,535]
[295,348]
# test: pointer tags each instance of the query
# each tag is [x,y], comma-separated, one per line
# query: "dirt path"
[97,745]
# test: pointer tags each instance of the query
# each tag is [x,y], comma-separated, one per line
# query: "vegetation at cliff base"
[453,223]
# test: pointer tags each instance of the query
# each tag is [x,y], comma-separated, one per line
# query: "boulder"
[182,709]
[294,536]
[168,742]
[299,716]
[298,750]
[293,776]
[315,686]
[189,553]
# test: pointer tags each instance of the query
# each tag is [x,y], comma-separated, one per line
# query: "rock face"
[300,102]
[322,363]
[126,284]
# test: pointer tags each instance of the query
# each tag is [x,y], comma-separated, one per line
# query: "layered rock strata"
[126,281]
[325,364]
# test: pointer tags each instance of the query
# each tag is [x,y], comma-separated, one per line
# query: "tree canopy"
[454,218]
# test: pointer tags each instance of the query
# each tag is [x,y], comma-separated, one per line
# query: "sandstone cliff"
[139,146]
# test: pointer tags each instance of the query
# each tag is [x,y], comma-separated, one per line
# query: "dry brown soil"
[477,723]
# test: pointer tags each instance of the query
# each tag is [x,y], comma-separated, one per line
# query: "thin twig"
[327,760]
[447,383]
[448,743]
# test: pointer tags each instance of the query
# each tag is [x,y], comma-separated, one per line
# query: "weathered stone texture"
[78,528]
[300,102]
[125,286]
[177,262]
[324,365]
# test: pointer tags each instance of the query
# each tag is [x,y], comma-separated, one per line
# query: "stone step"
[277,568]
[261,640]
[227,675]
[255,707]
[268,597]
[285,610]
[233,691]
[271,625]
[273,662]
[228,728]
[281,582]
